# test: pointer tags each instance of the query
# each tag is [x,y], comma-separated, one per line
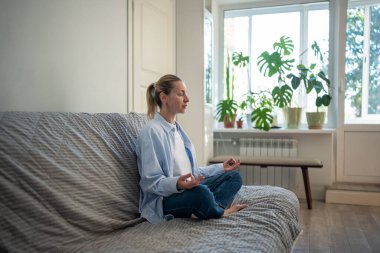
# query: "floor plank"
[338,228]
[339,241]
[369,227]
[319,229]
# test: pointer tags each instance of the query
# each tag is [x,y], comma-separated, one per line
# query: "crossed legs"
[208,200]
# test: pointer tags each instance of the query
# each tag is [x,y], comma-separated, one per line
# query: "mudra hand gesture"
[188,181]
[231,164]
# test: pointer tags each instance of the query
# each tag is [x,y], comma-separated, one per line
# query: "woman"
[171,185]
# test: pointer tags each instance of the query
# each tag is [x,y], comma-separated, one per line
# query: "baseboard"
[317,192]
[353,197]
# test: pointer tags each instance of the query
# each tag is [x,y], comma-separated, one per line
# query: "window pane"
[318,31]
[267,29]
[374,62]
[208,60]
[362,104]
[236,40]
[354,62]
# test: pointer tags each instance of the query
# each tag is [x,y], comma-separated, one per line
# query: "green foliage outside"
[355,59]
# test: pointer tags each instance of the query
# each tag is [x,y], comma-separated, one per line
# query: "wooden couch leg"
[306,182]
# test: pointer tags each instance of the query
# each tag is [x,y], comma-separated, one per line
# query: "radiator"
[255,175]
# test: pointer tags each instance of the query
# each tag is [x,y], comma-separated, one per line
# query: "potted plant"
[314,79]
[226,108]
[279,63]
[261,105]
[239,122]
[244,112]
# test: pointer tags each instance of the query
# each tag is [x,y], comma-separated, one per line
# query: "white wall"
[63,55]
[190,68]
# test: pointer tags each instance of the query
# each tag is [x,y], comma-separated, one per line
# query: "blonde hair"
[164,84]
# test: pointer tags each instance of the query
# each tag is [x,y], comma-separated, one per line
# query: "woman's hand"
[188,181]
[231,164]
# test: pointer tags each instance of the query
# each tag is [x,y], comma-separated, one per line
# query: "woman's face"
[176,101]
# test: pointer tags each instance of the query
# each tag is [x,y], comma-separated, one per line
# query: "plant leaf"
[225,107]
[309,85]
[295,80]
[284,46]
[323,76]
[262,118]
[317,50]
[318,101]
[270,64]
[318,86]
[282,95]
[239,60]
[326,99]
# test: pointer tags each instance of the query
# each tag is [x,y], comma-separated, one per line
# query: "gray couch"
[69,183]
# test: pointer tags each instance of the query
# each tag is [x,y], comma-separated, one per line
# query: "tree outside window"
[363,63]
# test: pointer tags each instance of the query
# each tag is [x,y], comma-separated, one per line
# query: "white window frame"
[275,7]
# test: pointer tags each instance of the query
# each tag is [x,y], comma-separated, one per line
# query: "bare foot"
[234,209]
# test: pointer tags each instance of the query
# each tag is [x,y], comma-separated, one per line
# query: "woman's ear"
[163,97]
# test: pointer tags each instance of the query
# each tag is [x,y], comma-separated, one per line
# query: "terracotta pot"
[227,121]
[239,124]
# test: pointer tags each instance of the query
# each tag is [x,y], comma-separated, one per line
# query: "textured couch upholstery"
[69,183]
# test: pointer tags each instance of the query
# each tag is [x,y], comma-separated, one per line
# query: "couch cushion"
[66,177]
[268,224]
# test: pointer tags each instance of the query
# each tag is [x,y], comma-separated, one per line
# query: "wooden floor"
[338,228]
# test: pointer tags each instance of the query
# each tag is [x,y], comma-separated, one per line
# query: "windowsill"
[276,131]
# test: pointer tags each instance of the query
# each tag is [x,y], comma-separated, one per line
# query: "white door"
[153,47]
[358,142]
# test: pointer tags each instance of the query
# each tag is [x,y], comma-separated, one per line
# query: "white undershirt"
[181,160]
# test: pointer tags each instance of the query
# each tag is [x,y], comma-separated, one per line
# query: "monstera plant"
[279,63]
[262,105]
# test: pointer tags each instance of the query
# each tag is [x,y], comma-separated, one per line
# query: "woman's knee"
[206,207]
[235,177]
[201,192]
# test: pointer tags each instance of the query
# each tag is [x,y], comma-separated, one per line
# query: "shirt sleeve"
[150,158]
[211,170]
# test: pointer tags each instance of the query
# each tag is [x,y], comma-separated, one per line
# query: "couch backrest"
[66,176]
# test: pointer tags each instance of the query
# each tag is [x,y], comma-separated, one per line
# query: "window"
[208,57]
[362,103]
[253,31]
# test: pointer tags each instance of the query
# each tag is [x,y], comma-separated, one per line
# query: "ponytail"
[150,99]
[164,84]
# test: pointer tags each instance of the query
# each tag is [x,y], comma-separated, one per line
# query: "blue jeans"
[207,200]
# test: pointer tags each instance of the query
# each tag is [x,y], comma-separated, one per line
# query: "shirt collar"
[167,126]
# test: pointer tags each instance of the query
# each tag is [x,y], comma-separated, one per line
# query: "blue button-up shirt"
[155,160]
